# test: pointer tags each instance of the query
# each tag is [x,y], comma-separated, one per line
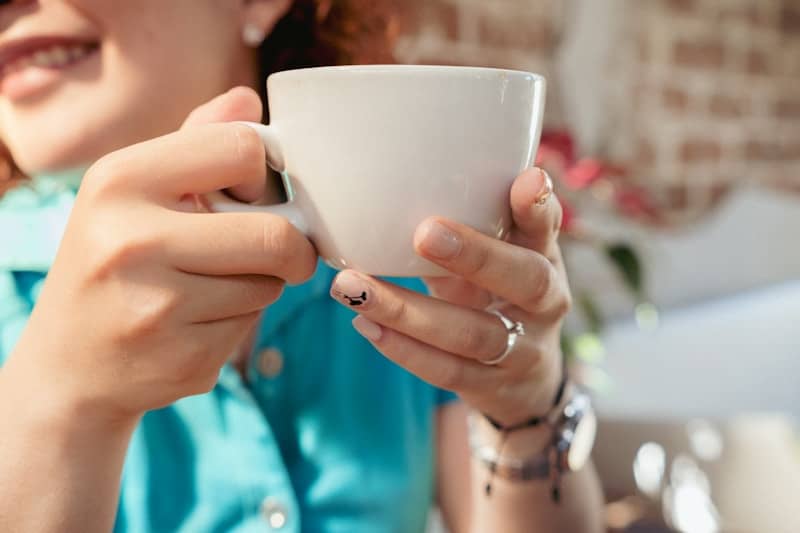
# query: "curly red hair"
[329,32]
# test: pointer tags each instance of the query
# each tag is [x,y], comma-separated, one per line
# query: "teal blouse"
[321,433]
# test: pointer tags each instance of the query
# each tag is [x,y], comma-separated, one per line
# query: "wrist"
[43,402]
[548,379]
[536,397]
[572,426]
[518,444]
[530,434]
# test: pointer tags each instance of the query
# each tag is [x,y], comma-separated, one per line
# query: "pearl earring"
[252,35]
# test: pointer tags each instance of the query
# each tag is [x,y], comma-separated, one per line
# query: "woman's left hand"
[446,338]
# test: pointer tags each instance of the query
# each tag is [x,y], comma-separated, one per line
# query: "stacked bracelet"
[538,467]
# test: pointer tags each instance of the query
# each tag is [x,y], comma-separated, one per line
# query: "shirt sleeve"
[444,397]
[17,293]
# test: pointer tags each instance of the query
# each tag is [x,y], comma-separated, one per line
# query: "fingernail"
[369,329]
[350,290]
[546,190]
[439,241]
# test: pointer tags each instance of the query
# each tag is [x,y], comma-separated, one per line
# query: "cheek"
[179,52]
[187,40]
[156,65]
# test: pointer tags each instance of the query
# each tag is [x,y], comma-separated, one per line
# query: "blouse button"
[274,513]
[270,363]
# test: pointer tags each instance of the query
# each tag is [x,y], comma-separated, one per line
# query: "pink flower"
[557,156]
[635,202]
[583,173]
[561,142]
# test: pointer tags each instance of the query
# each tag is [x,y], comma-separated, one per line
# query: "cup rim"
[405,69]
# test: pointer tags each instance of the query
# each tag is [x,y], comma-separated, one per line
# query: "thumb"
[240,103]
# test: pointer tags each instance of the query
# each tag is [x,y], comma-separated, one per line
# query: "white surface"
[749,242]
[717,359]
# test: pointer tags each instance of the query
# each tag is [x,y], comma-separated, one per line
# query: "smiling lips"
[30,65]
[54,57]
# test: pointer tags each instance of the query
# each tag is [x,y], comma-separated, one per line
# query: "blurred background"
[673,130]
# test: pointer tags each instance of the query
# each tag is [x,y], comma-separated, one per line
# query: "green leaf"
[628,265]
[591,312]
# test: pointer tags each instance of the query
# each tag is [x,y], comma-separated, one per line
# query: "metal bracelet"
[510,468]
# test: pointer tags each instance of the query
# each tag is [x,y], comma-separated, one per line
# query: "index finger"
[238,104]
[196,160]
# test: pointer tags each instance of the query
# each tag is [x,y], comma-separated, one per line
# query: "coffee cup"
[367,153]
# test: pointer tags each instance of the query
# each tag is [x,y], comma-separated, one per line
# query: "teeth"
[59,55]
[76,52]
[56,56]
[40,58]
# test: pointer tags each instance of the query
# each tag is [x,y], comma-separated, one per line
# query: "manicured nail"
[546,192]
[369,329]
[351,290]
[439,241]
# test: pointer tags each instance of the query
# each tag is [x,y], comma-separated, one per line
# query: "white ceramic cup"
[368,152]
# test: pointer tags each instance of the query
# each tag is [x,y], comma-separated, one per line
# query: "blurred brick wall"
[706,92]
[518,34]
[714,91]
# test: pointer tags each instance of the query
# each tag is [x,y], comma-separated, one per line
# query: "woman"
[141,388]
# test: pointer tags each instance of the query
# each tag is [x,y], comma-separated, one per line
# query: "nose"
[16,2]
[10,10]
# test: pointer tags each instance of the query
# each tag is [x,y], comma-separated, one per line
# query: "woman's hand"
[149,296]
[445,339]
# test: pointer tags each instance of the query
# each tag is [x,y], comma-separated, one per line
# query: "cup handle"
[224,204]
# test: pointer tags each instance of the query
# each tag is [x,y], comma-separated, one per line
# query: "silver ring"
[514,330]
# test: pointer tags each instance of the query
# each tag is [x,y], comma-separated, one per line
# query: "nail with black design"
[350,290]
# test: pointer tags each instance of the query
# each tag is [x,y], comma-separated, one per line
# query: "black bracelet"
[536,420]
[531,422]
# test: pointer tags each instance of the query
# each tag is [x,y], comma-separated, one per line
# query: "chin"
[45,151]
[74,130]
[36,164]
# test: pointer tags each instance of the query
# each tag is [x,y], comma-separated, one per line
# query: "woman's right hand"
[148,297]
